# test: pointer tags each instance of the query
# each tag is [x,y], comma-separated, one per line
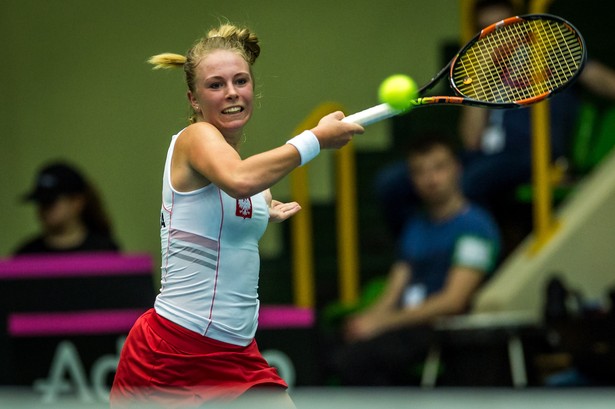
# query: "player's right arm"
[203,156]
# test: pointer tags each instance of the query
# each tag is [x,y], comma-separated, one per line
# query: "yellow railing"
[302,249]
[347,225]
[544,222]
[346,218]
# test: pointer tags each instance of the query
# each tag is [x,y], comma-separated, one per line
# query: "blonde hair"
[226,37]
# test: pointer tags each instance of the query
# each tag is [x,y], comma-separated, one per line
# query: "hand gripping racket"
[513,63]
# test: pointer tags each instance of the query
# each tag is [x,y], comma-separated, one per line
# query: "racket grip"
[371,115]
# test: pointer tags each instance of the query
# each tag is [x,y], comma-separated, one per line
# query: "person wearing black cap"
[70,212]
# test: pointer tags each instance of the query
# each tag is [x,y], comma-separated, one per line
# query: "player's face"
[435,174]
[224,91]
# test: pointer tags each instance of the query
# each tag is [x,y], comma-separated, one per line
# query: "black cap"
[55,180]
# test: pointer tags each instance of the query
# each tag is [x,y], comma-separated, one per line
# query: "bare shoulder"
[200,130]
[190,150]
[198,136]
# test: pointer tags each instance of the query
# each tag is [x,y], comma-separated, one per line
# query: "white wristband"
[307,144]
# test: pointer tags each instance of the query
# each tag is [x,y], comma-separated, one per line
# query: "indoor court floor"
[381,398]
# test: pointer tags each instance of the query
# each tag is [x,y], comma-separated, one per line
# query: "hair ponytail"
[167,60]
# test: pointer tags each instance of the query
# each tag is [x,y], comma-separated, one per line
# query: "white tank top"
[210,260]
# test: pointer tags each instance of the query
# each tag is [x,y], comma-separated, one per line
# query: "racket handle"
[371,115]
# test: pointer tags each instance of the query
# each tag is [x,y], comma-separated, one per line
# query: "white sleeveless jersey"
[210,260]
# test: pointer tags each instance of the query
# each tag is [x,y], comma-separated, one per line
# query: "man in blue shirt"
[445,252]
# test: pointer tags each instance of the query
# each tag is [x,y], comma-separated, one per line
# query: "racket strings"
[519,61]
[523,71]
[497,49]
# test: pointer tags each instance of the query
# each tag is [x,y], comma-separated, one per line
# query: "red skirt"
[164,363]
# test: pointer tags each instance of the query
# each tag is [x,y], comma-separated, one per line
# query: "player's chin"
[235,121]
[235,128]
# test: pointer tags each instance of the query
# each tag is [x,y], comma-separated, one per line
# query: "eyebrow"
[219,77]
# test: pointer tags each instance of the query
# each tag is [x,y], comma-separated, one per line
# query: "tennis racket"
[512,63]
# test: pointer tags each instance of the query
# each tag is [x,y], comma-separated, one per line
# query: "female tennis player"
[197,343]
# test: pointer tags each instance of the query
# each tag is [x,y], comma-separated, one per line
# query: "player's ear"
[193,102]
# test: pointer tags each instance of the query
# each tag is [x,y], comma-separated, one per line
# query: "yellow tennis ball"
[398,91]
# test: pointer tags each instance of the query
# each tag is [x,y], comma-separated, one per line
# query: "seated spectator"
[70,213]
[445,251]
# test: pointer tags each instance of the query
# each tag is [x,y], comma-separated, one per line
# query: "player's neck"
[234,138]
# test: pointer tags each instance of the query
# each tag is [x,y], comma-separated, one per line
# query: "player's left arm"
[279,211]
